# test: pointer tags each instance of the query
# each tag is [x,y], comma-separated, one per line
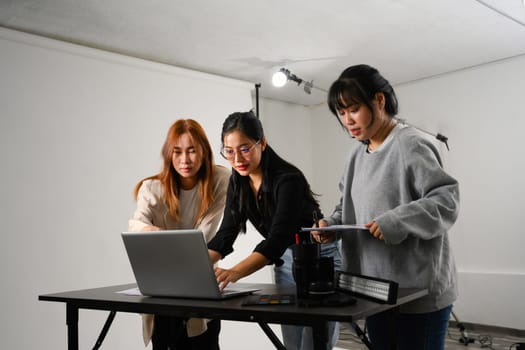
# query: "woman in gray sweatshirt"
[394,183]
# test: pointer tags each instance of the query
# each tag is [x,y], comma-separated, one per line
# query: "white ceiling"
[250,40]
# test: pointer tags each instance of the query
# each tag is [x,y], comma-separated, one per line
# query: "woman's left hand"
[375,230]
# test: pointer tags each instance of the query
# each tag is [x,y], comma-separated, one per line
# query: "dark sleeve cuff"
[218,245]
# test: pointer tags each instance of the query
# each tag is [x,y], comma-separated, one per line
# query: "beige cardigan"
[152,210]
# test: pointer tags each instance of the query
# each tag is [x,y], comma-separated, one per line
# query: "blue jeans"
[394,330]
[300,337]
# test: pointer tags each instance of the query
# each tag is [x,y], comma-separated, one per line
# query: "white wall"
[287,128]
[481,111]
[78,129]
[330,147]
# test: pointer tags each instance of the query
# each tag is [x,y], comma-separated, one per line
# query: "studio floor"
[495,339]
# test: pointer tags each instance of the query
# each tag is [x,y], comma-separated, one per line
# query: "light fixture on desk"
[375,288]
[281,77]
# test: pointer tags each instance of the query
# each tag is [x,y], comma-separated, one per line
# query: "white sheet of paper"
[335,228]
[131,291]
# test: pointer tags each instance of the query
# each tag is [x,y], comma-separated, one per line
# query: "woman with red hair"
[189,192]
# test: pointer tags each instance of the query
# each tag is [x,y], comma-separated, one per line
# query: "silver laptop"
[175,264]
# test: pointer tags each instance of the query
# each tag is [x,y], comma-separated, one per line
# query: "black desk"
[231,309]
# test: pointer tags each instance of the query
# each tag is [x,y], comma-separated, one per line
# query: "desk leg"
[105,330]
[361,335]
[72,326]
[320,335]
[271,335]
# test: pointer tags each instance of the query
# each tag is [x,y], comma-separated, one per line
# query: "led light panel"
[370,287]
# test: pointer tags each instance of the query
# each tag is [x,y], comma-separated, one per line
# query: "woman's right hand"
[226,276]
[323,236]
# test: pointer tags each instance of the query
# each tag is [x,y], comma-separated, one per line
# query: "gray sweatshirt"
[403,187]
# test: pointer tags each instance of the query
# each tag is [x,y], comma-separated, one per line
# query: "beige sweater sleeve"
[151,209]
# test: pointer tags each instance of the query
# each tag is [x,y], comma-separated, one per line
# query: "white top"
[152,210]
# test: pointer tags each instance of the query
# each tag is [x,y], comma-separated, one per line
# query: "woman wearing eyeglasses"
[276,198]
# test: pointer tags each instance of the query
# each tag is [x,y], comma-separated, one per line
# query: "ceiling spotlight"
[283,75]
[279,79]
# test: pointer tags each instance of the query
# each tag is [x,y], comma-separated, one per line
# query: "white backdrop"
[78,129]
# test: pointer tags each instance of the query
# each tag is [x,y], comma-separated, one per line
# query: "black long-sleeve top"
[290,206]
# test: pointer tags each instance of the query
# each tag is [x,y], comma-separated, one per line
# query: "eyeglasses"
[244,151]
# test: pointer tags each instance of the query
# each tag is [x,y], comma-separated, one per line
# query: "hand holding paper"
[317,235]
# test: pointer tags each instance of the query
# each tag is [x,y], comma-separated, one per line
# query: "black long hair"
[360,84]
[272,165]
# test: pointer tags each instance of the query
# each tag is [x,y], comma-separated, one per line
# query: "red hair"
[170,179]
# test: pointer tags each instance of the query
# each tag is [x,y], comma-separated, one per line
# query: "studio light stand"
[257,87]
[464,339]
[438,136]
